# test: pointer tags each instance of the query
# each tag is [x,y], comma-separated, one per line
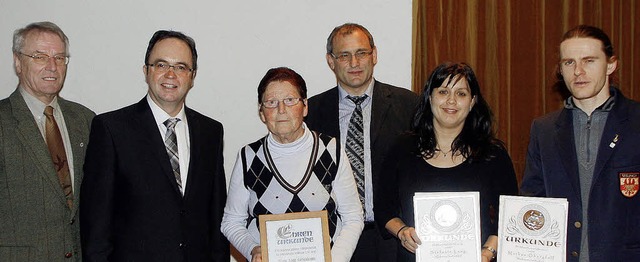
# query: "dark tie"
[355,144]
[58,154]
[171,143]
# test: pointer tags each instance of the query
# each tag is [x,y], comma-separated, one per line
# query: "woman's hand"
[409,239]
[487,256]
[256,254]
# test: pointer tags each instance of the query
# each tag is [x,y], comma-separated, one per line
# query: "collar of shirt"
[36,106]
[343,95]
[160,115]
[606,106]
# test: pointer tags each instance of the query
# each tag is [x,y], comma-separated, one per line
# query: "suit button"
[73,220]
[182,212]
[574,254]
[182,245]
[577,224]
[68,255]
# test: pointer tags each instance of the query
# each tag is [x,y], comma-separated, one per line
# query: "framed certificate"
[448,224]
[295,237]
[532,229]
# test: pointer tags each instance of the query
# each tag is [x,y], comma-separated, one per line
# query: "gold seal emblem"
[533,220]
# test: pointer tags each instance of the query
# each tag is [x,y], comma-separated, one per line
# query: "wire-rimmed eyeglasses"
[290,101]
[43,59]
[347,57]
[164,67]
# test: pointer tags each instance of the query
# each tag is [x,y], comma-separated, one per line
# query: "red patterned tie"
[58,154]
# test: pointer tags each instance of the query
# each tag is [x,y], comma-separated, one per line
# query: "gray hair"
[46,26]
[347,29]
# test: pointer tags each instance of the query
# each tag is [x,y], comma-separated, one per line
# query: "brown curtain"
[513,48]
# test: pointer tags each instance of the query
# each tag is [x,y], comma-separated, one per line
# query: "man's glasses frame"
[345,57]
[164,67]
[43,59]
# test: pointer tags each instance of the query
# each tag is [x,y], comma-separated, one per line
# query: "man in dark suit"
[154,188]
[41,156]
[384,112]
[589,153]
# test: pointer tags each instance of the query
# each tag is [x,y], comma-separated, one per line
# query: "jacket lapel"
[79,137]
[149,132]
[32,139]
[614,132]
[380,107]
[194,138]
[332,118]
[566,147]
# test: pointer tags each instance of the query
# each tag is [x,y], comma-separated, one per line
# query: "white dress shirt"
[182,136]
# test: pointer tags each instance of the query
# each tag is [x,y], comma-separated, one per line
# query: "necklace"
[443,153]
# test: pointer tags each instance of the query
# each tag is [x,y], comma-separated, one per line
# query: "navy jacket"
[552,171]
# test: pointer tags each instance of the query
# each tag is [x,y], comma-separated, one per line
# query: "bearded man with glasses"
[43,138]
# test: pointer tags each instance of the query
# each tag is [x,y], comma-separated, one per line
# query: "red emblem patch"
[629,183]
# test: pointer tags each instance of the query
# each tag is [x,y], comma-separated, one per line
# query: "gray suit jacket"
[35,222]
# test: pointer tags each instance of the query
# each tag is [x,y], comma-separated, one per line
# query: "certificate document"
[448,224]
[532,229]
[295,237]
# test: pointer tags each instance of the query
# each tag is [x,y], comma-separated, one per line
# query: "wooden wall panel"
[513,48]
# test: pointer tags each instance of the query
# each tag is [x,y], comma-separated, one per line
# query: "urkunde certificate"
[295,237]
[532,229]
[448,224]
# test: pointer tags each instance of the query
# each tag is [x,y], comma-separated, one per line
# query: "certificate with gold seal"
[295,237]
[448,224]
[532,229]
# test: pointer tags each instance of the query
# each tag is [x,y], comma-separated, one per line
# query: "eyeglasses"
[43,59]
[287,102]
[347,57]
[164,67]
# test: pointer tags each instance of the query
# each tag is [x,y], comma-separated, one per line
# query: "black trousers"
[372,247]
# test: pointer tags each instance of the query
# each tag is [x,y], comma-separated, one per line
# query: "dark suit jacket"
[131,208]
[35,222]
[391,114]
[552,171]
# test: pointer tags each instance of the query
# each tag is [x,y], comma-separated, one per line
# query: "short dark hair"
[280,74]
[347,29]
[477,136]
[164,34]
[45,26]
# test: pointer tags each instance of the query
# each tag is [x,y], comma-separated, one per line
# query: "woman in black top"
[451,148]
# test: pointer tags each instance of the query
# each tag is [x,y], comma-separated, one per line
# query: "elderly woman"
[291,169]
[451,148]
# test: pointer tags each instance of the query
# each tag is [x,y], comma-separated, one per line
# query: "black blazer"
[391,114]
[131,208]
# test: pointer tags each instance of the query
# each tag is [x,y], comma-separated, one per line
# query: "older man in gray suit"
[42,145]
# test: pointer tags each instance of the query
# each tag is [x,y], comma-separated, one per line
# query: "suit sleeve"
[533,180]
[386,199]
[220,249]
[97,190]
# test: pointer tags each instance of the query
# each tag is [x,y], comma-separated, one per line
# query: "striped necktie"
[355,144]
[171,143]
